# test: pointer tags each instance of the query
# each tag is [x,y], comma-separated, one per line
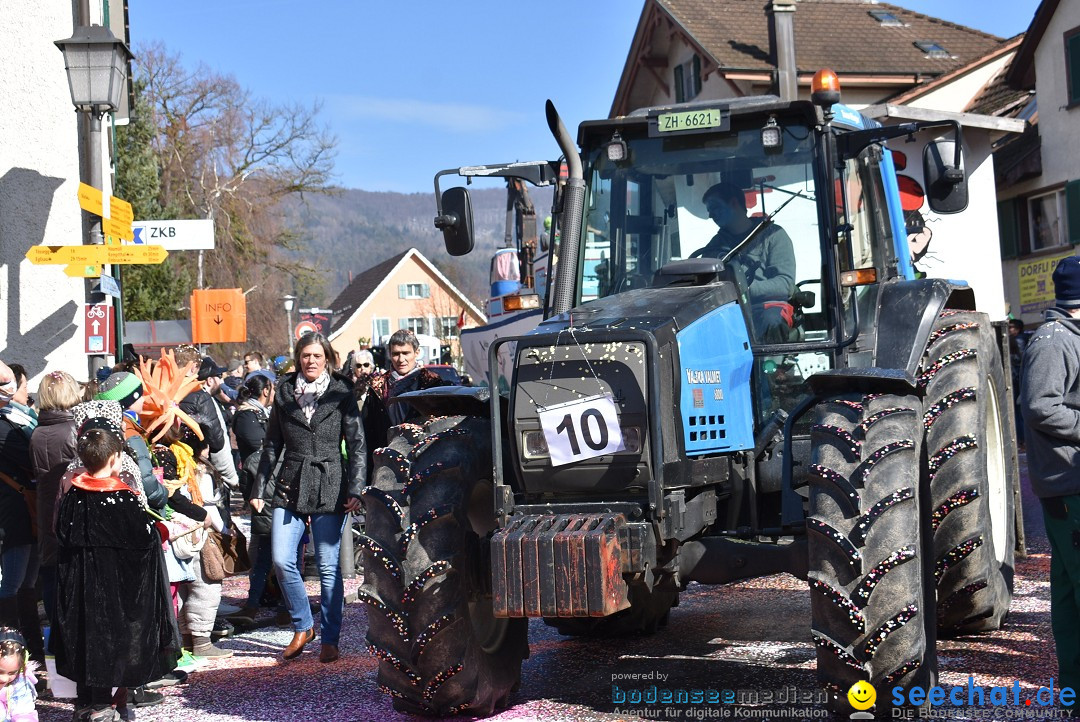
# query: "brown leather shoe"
[329,654]
[299,640]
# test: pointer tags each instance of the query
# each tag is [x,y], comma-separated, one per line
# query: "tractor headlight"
[534,445]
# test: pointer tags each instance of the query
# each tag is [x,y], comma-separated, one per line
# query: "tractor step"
[561,565]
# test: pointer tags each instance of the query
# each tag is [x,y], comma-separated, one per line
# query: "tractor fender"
[449,401]
[905,316]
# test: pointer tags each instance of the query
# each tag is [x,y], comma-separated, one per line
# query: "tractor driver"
[768,261]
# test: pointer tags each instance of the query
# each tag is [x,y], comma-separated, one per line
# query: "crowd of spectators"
[116,494]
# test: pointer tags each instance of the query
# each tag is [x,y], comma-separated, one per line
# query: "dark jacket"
[15,462]
[1050,403]
[156,495]
[380,413]
[199,406]
[52,447]
[249,427]
[315,477]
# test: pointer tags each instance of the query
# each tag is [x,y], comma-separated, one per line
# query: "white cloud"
[451,117]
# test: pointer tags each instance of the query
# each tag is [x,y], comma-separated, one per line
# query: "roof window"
[932,49]
[886,18]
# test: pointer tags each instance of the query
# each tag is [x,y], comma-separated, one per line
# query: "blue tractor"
[738,373]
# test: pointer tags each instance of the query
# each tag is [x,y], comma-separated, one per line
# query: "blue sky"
[410,88]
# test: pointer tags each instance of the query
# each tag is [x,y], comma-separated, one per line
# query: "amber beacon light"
[825,88]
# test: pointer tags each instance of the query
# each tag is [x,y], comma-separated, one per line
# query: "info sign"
[582,429]
[98,323]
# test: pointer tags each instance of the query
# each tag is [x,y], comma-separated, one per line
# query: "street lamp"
[289,301]
[96,63]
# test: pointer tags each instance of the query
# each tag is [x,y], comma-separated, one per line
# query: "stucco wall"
[39,174]
[1058,125]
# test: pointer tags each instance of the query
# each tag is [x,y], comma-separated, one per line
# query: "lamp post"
[289,301]
[96,62]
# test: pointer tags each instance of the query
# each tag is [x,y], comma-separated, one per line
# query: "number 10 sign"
[583,429]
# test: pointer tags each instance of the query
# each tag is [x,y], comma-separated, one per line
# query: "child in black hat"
[115,625]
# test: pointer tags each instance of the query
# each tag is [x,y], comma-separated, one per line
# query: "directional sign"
[116,229]
[95,255]
[120,210]
[98,320]
[77,270]
[218,315]
[90,199]
[189,235]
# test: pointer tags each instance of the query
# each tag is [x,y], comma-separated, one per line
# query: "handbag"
[224,555]
[29,496]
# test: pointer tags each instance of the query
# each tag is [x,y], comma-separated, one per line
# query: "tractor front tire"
[441,650]
[870,588]
[970,465]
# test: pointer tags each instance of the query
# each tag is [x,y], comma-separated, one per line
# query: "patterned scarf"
[307,393]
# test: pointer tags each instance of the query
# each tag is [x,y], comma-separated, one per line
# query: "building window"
[448,326]
[688,79]
[413,323]
[380,329]
[1046,221]
[414,290]
[1072,65]
[932,49]
[886,18]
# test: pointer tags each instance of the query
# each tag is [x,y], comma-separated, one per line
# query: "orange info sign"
[218,315]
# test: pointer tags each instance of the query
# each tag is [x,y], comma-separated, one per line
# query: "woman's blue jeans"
[326,536]
[13,564]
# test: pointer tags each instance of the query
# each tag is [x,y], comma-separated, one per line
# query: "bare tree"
[233,158]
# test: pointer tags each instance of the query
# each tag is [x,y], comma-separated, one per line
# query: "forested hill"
[354,230]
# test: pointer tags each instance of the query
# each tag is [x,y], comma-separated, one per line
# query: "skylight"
[932,49]
[885,17]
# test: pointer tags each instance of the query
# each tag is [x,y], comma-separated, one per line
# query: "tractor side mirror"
[456,221]
[944,177]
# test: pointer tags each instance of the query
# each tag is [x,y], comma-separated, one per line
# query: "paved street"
[749,636]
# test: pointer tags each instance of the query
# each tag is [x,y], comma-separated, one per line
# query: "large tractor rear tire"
[648,612]
[870,585]
[441,650]
[970,465]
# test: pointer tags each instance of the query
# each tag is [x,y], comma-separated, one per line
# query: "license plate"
[690,120]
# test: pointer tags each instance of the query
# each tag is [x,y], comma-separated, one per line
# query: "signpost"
[196,235]
[98,322]
[95,255]
[218,315]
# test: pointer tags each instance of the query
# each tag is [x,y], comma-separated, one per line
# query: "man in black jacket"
[200,406]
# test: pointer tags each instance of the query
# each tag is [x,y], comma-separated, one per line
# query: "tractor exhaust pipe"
[573,210]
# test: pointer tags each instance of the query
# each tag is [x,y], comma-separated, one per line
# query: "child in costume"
[114,612]
[17,680]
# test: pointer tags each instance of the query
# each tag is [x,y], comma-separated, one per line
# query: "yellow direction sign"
[90,199]
[95,255]
[118,223]
[117,229]
[82,271]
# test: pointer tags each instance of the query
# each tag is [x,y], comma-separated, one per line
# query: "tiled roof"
[997,98]
[360,289]
[837,34]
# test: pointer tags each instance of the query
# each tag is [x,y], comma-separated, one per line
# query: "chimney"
[781,14]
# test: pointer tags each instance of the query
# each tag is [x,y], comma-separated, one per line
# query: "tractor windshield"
[704,194]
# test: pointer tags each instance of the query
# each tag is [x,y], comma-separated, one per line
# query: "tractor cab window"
[711,195]
[863,234]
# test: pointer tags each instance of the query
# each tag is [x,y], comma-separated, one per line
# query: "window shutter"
[1072,211]
[401,290]
[696,77]
[427,291]
[679,96]
[1072,65]
[1007,228]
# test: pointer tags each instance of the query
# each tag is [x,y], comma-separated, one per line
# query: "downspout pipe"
[572,213]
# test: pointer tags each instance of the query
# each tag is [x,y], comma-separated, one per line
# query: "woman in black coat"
[312,414]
